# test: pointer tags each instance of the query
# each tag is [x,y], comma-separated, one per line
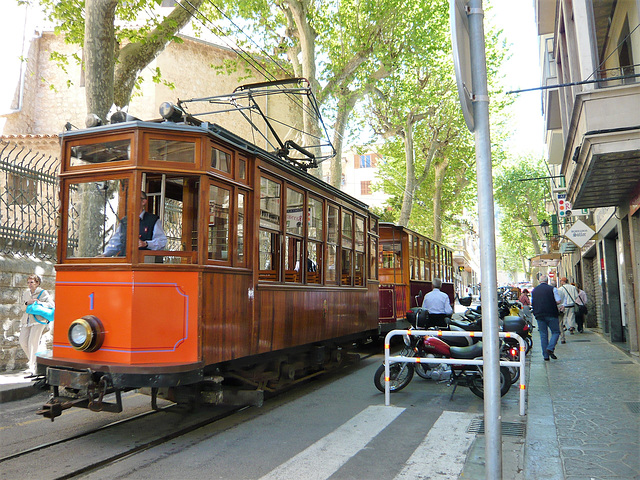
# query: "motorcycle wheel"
[529,341]
[400,374]
[477,387]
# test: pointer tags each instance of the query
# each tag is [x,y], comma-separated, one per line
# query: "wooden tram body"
[264,263]
[408,262]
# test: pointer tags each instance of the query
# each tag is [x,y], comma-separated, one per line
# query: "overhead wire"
[242,53]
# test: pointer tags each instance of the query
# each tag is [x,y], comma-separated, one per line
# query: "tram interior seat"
[313,277]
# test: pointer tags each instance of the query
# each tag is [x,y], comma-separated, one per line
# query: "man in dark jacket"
[545,300]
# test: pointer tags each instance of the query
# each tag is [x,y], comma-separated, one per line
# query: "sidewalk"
[13,386]
[583,410]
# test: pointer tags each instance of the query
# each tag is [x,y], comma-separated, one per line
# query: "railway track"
[127,437]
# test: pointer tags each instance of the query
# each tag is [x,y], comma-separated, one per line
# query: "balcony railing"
[614,77]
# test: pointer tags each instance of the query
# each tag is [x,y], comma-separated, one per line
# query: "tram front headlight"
[86,334]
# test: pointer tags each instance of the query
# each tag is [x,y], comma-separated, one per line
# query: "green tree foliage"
[432,169]
[522,207]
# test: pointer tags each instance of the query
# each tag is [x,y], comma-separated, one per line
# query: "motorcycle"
[401,374]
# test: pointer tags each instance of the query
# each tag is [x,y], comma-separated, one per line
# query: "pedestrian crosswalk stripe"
[327,455]
[442,453]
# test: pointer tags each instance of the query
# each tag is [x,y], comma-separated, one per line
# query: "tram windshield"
[96,211]
[98,226]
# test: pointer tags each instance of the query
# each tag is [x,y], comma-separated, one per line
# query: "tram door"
[174,199]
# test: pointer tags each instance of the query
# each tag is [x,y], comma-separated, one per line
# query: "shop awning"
[545,260]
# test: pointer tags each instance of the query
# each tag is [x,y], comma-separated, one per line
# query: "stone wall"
[13,282]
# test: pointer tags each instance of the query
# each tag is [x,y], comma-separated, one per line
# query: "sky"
[522,70]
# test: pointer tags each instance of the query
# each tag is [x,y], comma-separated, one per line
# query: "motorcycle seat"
[470,352]
[466,324]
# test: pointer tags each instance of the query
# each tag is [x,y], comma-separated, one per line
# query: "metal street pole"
[491,353]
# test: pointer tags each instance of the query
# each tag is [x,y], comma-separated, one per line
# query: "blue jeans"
[552,324]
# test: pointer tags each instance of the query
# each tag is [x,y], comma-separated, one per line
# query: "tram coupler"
[54,407]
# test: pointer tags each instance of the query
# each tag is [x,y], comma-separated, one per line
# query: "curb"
[10,393]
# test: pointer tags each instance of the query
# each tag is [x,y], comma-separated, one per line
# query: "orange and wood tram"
[260,274]
[265,275]
[408,262]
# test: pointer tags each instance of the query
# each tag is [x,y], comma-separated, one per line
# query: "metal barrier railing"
[388,360]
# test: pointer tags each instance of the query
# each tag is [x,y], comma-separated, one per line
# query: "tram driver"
[152,236]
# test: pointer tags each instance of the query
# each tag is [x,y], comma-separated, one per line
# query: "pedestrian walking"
[569,294]
[581,308]
[545,301]
[526,305]
[31,326]
[560,311]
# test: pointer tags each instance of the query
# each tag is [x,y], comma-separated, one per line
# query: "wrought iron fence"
[28,202]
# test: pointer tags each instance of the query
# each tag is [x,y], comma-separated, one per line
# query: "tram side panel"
[228,327]
[291,317]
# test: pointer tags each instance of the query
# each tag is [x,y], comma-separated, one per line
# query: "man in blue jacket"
[545,300]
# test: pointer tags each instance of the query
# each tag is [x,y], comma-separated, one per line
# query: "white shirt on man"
[437,302]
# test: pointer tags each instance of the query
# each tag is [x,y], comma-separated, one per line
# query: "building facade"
[590,56]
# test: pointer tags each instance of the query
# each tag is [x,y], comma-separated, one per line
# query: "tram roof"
[222,134]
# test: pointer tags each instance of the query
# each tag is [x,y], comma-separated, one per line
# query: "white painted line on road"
[327,455]
[442,453]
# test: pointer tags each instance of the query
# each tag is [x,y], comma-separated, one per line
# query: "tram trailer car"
[408,262]
[267,275]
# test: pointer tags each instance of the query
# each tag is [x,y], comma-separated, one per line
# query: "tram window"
[314,262]
[269,240]
[242,169]
[347,249]
[359,234]
[359,270]
[269,204]
[218,246]
[314,229]
[391,255]
[178,209]
[332,251]
[373,225]
[172,150]
[332,224]
[373,258]
[333,228]
[96,213]
[293,259]
[240,229]
[220,160]
[347,230]
[114,151]
[268,255]
[347,267]
[295,211]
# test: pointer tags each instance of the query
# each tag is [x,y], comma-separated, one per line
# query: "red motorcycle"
[400,374]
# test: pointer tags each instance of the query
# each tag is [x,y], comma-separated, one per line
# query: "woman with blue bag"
[39,312]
